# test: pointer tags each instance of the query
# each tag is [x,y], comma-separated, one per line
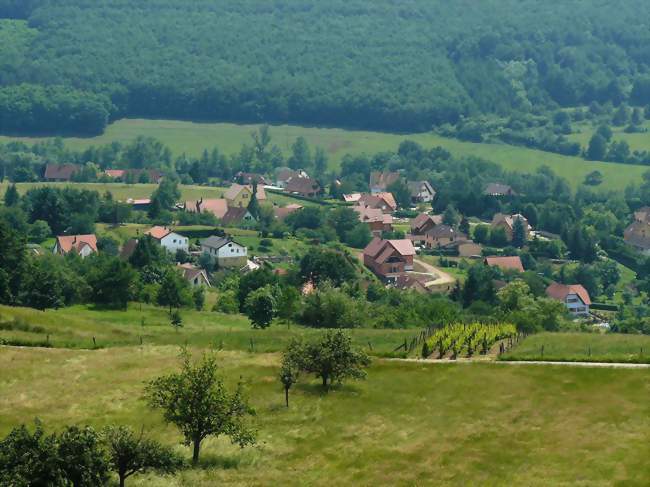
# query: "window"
[174,240]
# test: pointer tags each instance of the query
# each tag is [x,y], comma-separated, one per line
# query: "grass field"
[588,347]
[76,326]
[640,141]
[140,191]
[407,424]
[193,138]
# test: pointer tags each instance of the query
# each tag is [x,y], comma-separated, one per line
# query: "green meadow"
[587,347]
[407,424]
[192,138]
[640,141]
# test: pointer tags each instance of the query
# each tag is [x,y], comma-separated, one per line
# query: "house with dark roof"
[421,192]
[505,263]
[194,275]
[248,178]
[128,248]
[389,259]
[575,297]
[498,189]
[422,223]
[225,251]
[380,181]
[238,216]
[305,187]
[84,245]
[284,174]
[60,172]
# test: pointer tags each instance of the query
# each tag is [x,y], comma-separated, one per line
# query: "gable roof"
[128,248]
[250,177]
[235,189]
[283,174]
[378,200]
[282,213]
[217,206]
[380,250]
[510,220]
[66,243]
[372,215]
[216,242]
[158,232]
[505,263]
[561,291]
[420,221]
[416,187]
[352,198]
[190,272]
[60,171]
[443,231]
[642,215]
[302,185]
[381,180]
[234,215]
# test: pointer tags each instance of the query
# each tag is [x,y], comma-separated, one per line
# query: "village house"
[194,275]
[139,204]
[169,240]
[422,223]
[380,181]
[240,217]
[637,234]
[284,174]
[505,263]
[468,248]
[377,220]
[417,283]
[352,198]
[441,236]
[217,206]
[305,187]
[239,196]
[575,297]
[507,223]
[421,192]
[84,245]
[225,251]
[498,189]
[389,259]
[60,173]
[382,201]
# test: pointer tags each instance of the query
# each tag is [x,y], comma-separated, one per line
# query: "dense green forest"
[73,65]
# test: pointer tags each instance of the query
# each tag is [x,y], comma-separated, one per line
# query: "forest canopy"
[376,64]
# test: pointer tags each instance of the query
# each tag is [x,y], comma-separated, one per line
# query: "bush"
[227,303]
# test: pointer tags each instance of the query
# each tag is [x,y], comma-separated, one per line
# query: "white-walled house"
[225,251]
[169,240]
[575,297]
[84,245]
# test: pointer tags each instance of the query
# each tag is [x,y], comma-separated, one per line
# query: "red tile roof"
[158,232]
[218,207]
[380,249]
[561,291]
[505,263]
[76,242]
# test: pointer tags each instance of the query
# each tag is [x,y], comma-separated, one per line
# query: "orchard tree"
[173,291]
[130,454]
[81,456]
[196,400]
[292,362]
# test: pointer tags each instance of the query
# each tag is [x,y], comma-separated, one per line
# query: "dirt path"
[443,277]
[507,362]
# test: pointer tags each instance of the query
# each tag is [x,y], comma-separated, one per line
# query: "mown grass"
[75,327]
[193,138]
[407,424]
[583,347]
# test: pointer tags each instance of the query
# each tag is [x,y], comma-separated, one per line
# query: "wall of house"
[242,199]
[174,241]
[575,305]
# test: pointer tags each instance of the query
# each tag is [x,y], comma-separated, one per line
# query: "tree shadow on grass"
[210,461]
[316,389]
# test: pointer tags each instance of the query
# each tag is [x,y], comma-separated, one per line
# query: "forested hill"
[70,65]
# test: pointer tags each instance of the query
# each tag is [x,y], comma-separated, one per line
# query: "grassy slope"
[639,142]
[192,138]
[576,347]
[408,424]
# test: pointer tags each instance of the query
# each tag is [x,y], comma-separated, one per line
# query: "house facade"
[421,192]
[238,217]
[60,172]
[169,240]
[225,251]
[442,236]
[575,297]
[389,259]
[194,275]
[377,220]
[239,196]
[84,245]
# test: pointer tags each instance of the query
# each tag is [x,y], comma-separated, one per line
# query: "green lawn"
[407,424]
[589,347]
[192,138]
[640,142]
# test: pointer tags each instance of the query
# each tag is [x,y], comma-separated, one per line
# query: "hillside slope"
[357,63]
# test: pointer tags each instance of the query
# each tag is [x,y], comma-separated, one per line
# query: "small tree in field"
[334,359]
[292,361]
[130,454]
[260,307]
[176,320]
[198,403]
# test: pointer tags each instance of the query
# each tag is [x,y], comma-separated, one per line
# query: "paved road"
[505,362]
